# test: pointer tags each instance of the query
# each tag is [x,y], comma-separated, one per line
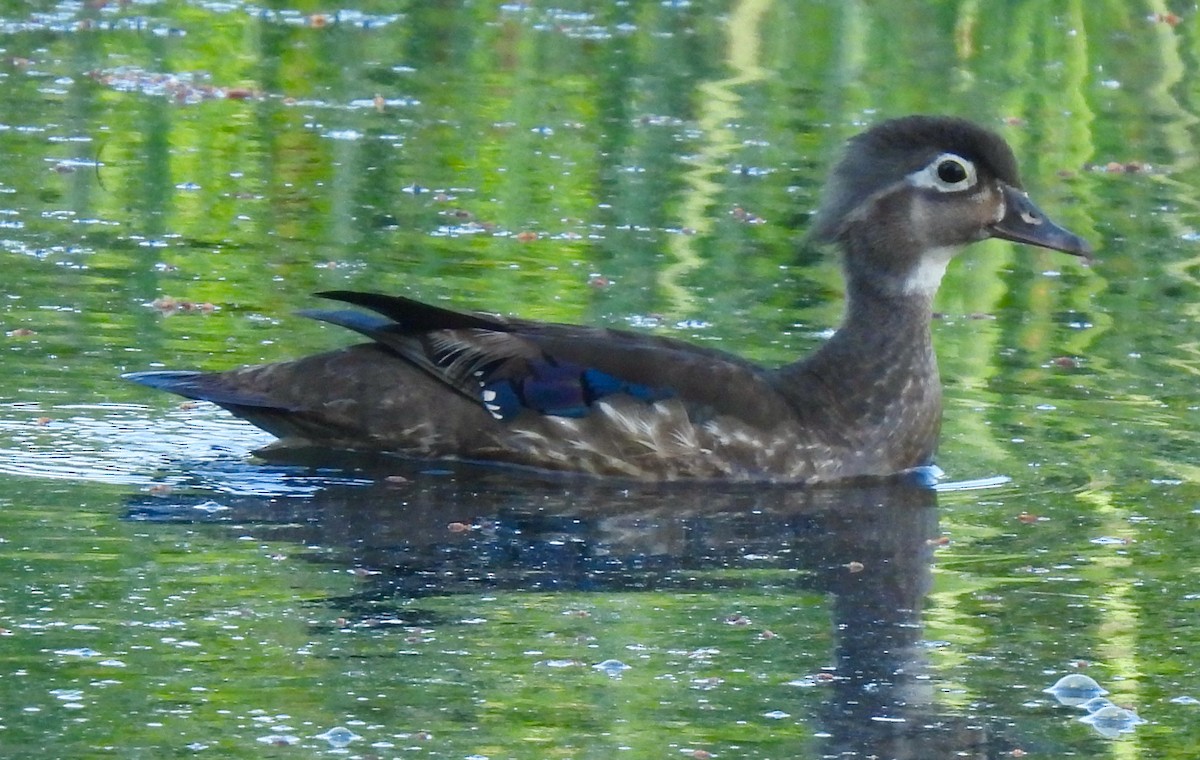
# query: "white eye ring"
[947,173]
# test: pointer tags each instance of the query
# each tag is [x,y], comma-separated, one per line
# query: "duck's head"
[911,192]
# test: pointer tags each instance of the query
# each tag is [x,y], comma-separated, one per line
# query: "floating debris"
[185,88]
[168,305]
[1112,721]
[611,668]
[740,214]
[1108,719]
[78,652]
[559,663]
[1122,167]
[1170,19]
[1075,689]
[279,740]
[1095,704]
[338,737]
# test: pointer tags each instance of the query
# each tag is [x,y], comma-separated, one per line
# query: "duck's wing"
[512,366]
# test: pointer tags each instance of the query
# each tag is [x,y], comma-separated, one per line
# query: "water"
[178,178]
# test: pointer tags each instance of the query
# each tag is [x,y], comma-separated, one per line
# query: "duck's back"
[472,386]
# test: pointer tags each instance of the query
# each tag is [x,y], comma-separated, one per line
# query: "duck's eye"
[951,172]
[947,173]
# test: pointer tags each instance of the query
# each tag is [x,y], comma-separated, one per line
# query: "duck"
[433,383]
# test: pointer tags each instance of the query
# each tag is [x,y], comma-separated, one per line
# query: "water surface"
[179,177]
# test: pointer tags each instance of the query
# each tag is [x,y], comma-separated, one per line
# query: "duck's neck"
[876,378]
[883,342]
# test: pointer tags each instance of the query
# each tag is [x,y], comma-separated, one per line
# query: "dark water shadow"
[868,546]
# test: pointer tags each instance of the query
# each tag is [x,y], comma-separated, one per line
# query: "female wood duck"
[433,383]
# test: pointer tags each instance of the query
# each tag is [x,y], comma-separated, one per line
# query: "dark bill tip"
[1024,222]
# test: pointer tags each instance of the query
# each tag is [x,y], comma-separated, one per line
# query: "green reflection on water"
[638,162]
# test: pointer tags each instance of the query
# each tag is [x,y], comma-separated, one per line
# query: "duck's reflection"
[868,546]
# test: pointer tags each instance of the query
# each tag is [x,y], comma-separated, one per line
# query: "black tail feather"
[360,322]
[413,315]
[202,386]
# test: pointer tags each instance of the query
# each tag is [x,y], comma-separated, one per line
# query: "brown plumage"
[436,383]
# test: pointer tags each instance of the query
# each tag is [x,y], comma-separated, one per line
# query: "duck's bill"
[1024,222]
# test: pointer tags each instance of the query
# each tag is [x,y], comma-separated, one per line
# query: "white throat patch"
[926,278]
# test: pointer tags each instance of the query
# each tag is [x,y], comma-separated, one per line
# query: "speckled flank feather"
[625,438]
[437,383]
